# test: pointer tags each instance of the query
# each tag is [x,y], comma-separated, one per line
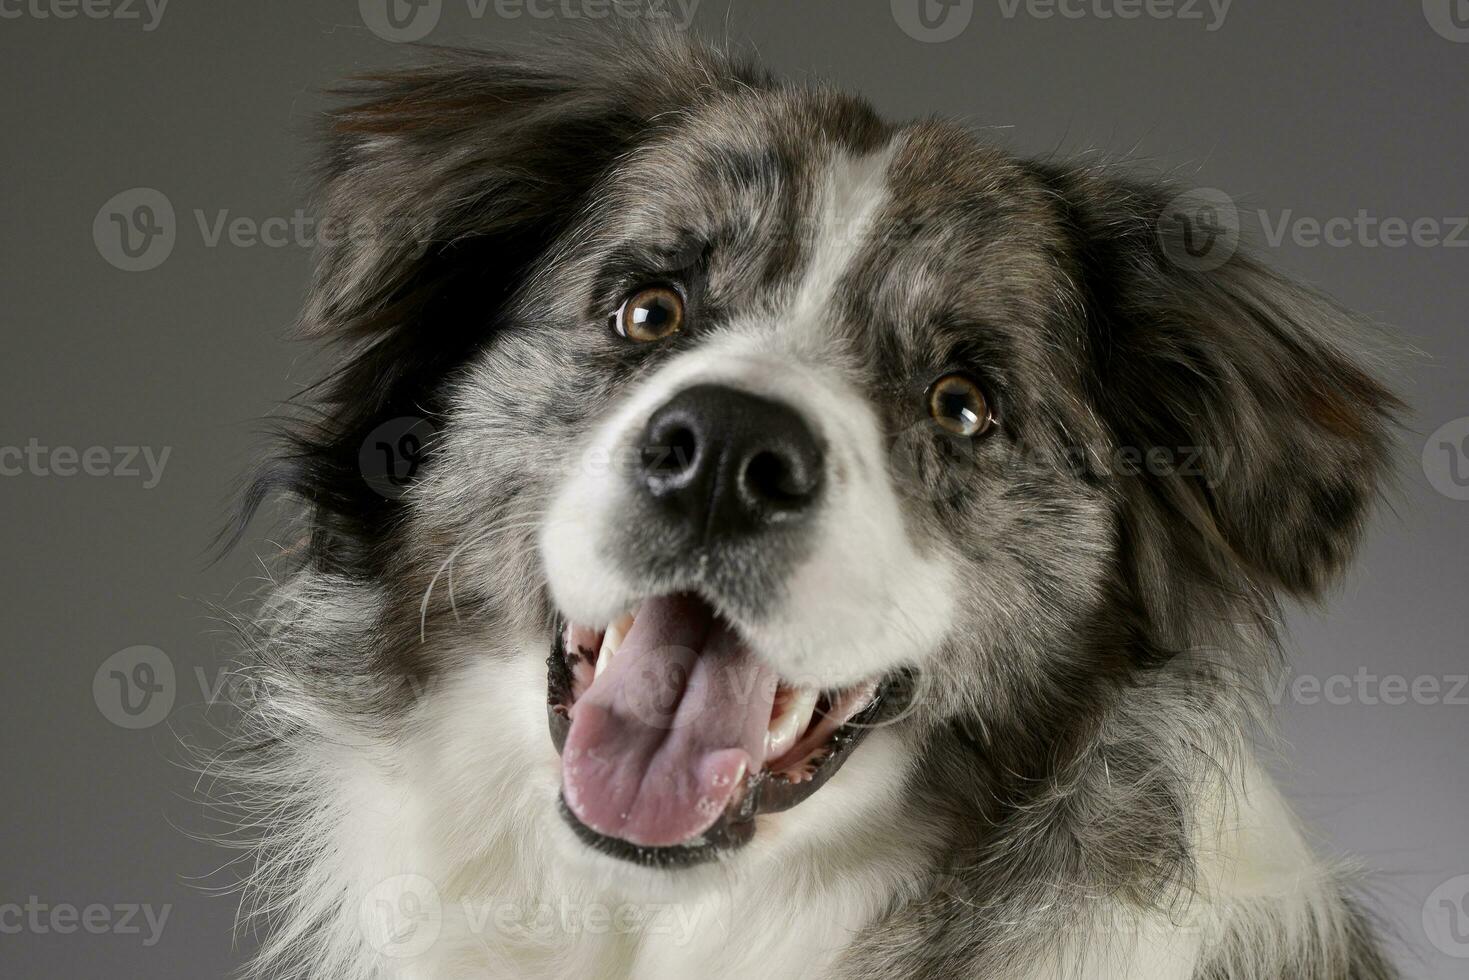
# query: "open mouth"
[674,736]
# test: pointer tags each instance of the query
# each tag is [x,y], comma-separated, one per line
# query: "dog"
[740,536]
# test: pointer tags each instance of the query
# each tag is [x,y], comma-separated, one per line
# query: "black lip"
[764,792]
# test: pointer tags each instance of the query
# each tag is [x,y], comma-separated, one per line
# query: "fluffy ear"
[1270,437]
[485,151]
[441,185]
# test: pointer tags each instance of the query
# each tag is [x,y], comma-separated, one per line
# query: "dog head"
[777,424]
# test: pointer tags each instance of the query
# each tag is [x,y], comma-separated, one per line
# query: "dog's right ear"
[484,155]
[1256,395]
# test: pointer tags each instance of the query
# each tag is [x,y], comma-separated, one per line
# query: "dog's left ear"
[1269,436]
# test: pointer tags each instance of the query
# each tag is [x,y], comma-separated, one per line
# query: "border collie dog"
[743,537]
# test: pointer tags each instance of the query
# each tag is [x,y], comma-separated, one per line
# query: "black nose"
[727,463]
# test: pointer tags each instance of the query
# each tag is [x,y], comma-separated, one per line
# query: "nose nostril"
[770,478]
[673,454]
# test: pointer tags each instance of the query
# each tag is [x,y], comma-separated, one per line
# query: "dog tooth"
[790,721]
[616,633]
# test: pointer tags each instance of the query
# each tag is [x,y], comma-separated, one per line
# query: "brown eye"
[651,313]
[959,406]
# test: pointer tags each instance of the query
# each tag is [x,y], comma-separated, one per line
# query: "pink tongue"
[660,742]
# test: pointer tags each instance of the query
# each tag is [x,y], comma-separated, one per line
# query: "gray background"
[1316,109]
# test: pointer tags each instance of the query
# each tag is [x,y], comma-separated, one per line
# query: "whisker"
[447,567]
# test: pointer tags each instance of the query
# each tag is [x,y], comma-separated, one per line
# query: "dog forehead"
[967,240]
[845,228]
[742,168]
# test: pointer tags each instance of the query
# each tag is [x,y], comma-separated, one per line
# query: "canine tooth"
[790,721]
[616,633]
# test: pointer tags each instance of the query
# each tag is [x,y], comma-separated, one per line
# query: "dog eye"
[651,313]
[959,406]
